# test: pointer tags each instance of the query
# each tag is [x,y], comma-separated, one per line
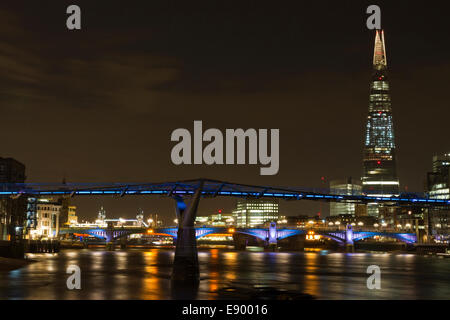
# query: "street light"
[175,220]
[360,223]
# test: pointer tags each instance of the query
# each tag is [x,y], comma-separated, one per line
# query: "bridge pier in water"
[123,242]
[240,241]
[109,232]
[349,245]
[272,237]
[85,243]
[185,265]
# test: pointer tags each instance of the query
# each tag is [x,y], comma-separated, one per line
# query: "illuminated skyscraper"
[380,174]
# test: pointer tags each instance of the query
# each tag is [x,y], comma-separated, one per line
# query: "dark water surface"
[145,274]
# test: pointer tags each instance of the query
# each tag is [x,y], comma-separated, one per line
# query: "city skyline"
[324,140]
[238,156]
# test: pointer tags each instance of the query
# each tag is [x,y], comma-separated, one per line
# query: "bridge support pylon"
[185,264]
[123,242]
[272,237]
[349,245]
[109,232]
[240,241]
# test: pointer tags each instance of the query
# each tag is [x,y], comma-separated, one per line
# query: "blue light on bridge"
[211,188]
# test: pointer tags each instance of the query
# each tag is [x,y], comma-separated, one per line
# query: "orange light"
[150,231]
[312,236]
[218,235]
[162,234]
[231,230]
[81,235]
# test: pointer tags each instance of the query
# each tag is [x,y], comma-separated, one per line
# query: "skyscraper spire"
[379,51]
[380,174]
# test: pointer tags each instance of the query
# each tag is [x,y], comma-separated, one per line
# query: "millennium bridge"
[185,266]
[210,189]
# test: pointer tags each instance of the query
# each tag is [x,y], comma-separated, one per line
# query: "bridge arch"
[333,236]
[286,233]
[262,234]
[404,237]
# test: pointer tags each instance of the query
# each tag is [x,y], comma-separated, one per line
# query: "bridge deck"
[211,188]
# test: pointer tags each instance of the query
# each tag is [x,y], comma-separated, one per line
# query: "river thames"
[228,274]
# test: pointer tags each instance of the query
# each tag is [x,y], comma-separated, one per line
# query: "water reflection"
[145,274]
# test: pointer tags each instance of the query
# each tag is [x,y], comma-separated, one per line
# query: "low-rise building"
[362,222]
[47,219]
[216,220]
[72,215]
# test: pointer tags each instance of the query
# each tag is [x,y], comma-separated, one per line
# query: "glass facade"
[438,185]
[380,174]
[345,187]
[255,212]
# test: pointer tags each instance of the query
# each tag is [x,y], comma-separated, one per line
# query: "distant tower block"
[345,187]
[102,214]
[380,174]
[140,217]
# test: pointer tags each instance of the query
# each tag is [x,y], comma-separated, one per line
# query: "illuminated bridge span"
[210,188]
[185,265]
[270,235]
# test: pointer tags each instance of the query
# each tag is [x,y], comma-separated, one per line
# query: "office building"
[12,211]
[344,187]
[255,212]
[438,187]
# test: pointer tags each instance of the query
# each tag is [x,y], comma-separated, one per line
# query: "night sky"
[99,104]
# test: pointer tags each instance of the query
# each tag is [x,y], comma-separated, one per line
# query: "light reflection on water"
[145,274]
